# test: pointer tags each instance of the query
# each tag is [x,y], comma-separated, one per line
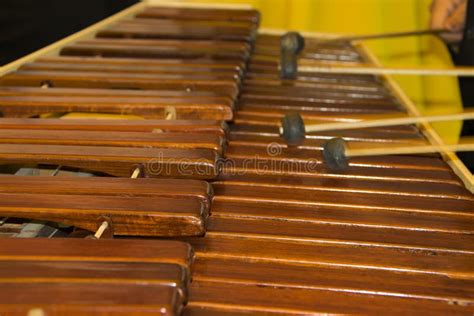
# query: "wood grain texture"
[263,299]
[164,12]
[103,250]
[89,79]
[198,70]
[287,236]
[165,28]
[143,207]
[107,186]
[90,299]
[389,235]
[157,48]
[101,146]
[94,276]
[118,161]
[97,277]
[165,64]
[218,128]
[25,106]
[115,139]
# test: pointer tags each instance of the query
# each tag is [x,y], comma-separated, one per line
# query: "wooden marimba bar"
[283,234]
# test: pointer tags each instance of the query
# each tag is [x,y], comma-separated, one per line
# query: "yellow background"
[431,94]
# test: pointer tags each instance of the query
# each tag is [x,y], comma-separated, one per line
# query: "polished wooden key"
[190,70]
[217,128]
[28,106]
[77,276]
[74,79]
[176,29]
[207,14]
[115,139]
[89,299]
[117,161]
[144,207]
[158,48]
[151,64]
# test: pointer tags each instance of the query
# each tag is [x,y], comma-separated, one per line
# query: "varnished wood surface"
[270,70]
[165,28]
[90,299]
[116,80]
[94,277]
[150,108]
[286,236]
[375,134]
[282,93]
[206,14]
[190,64]
[199,77]
[275,300]
[172,95]
[188,70]
[117,139]
[118,161]
[107,186]
[104,250]
[154,48]
[275,195]
[144,207]
[390,234]
[111,273]
[340,232]
[342,185]
[182,126]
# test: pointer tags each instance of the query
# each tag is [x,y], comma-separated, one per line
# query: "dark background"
[28,25]
[466,58]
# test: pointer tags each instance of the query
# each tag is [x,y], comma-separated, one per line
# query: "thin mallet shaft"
[412,71]
[386,35]
[405,150]
[389,122]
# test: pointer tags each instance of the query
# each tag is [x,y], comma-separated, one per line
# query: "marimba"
[246,224]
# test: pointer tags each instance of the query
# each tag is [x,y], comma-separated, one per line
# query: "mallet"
[293,128]
[345,39]
[336,153]
[318,67]
[291,44]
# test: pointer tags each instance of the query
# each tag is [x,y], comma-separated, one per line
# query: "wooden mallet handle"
[293,128]
[365,37]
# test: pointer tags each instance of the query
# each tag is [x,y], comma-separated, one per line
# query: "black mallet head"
[288,65]
[334,154]
[292,42]
[293,130]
